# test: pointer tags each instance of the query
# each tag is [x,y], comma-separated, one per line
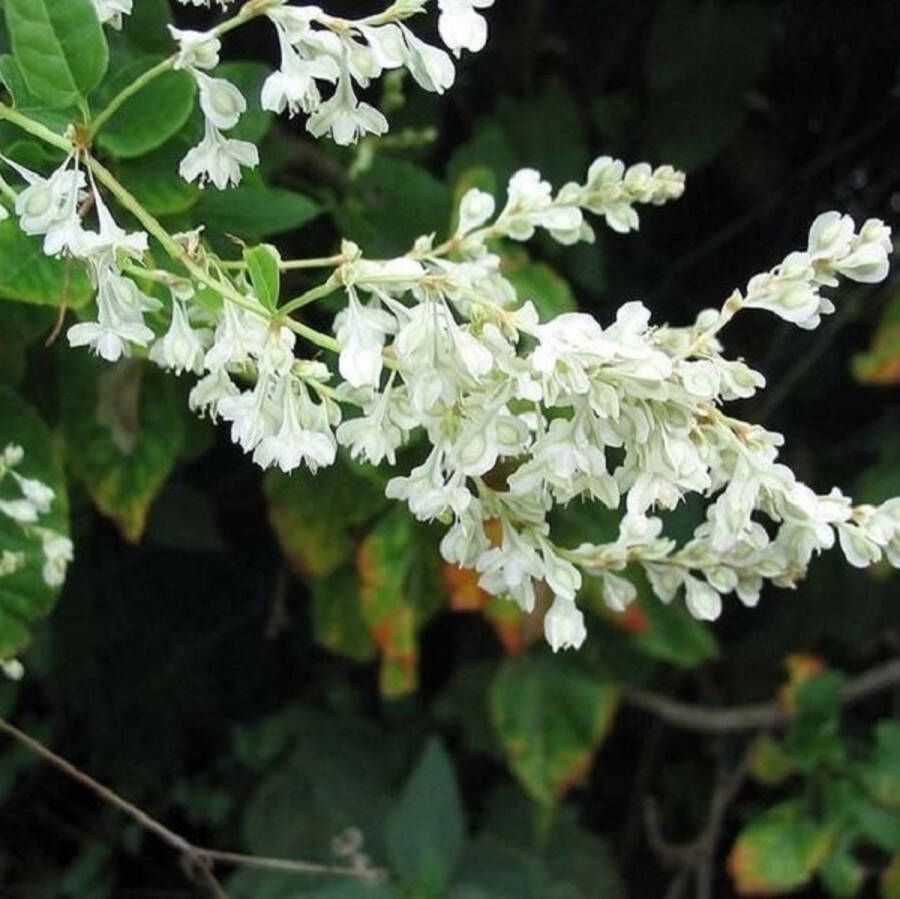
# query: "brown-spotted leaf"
[399,572]
[337,619]
[551,717]
[124,427]
[779,851]
[316,518]
[889,881]
[880,366]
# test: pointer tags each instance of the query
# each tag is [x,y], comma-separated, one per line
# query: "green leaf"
[20,326]
[337,619]
[60,47]
[152,116]
[551,717]
[392,204]
[890,880]
[779,851]
[511,858]
[880,825]
[770,764]
[146,28]
[248,77]
[842,874]
[702,60]
[28,276]
[560,150]
[882,773]
[265,275]
[316,517]
[255,212]
[424,832]
[673,635]
[545,287]
[155,182]
[124,427]
[399,571]
[25,595]
[330,774]
[814,738]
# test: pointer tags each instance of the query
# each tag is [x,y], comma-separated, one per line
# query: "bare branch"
[198,861]
[754,716]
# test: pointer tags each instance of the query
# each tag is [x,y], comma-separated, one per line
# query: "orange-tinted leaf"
[316,517]
[551,717]
[400,589]
[462,589]
[880,366]
[890,879]
[779,851]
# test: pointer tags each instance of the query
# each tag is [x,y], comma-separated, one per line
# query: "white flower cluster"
[513,417]
[24,501]
[53,207]
[318,49]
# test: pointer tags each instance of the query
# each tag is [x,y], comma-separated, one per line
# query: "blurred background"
[282,666]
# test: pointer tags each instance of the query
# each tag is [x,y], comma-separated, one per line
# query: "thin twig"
[696,857]
[198,861]
[754,716]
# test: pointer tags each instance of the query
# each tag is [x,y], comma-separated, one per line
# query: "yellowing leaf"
[400,589]
[779,851]
[316,518]
[551,717]
[125,427]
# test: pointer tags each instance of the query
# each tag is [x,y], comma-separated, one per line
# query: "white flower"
[461,27]
[12,668]
[345,117]
[293,86]
[618,592]
[304,435]
[429,493]
[430,66]
[294,21]
[120,307]
[103,246]
[222,4]
[360,331]
[196,49]
[111,11]
[564,625]
[22,511]
[209,391]
[11,562]
[35,492]
[58,553]
[181,348]
[703,601]
[475,209]
[218,159]
[240,336]
[222,103]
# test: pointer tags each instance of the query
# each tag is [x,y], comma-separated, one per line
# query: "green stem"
[313,336]
[128,92]
[36,129]
[171,246]
[309,297]
[249,11]
[289,265]
[7,191]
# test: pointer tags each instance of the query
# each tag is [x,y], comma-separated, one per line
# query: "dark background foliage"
[188,670]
